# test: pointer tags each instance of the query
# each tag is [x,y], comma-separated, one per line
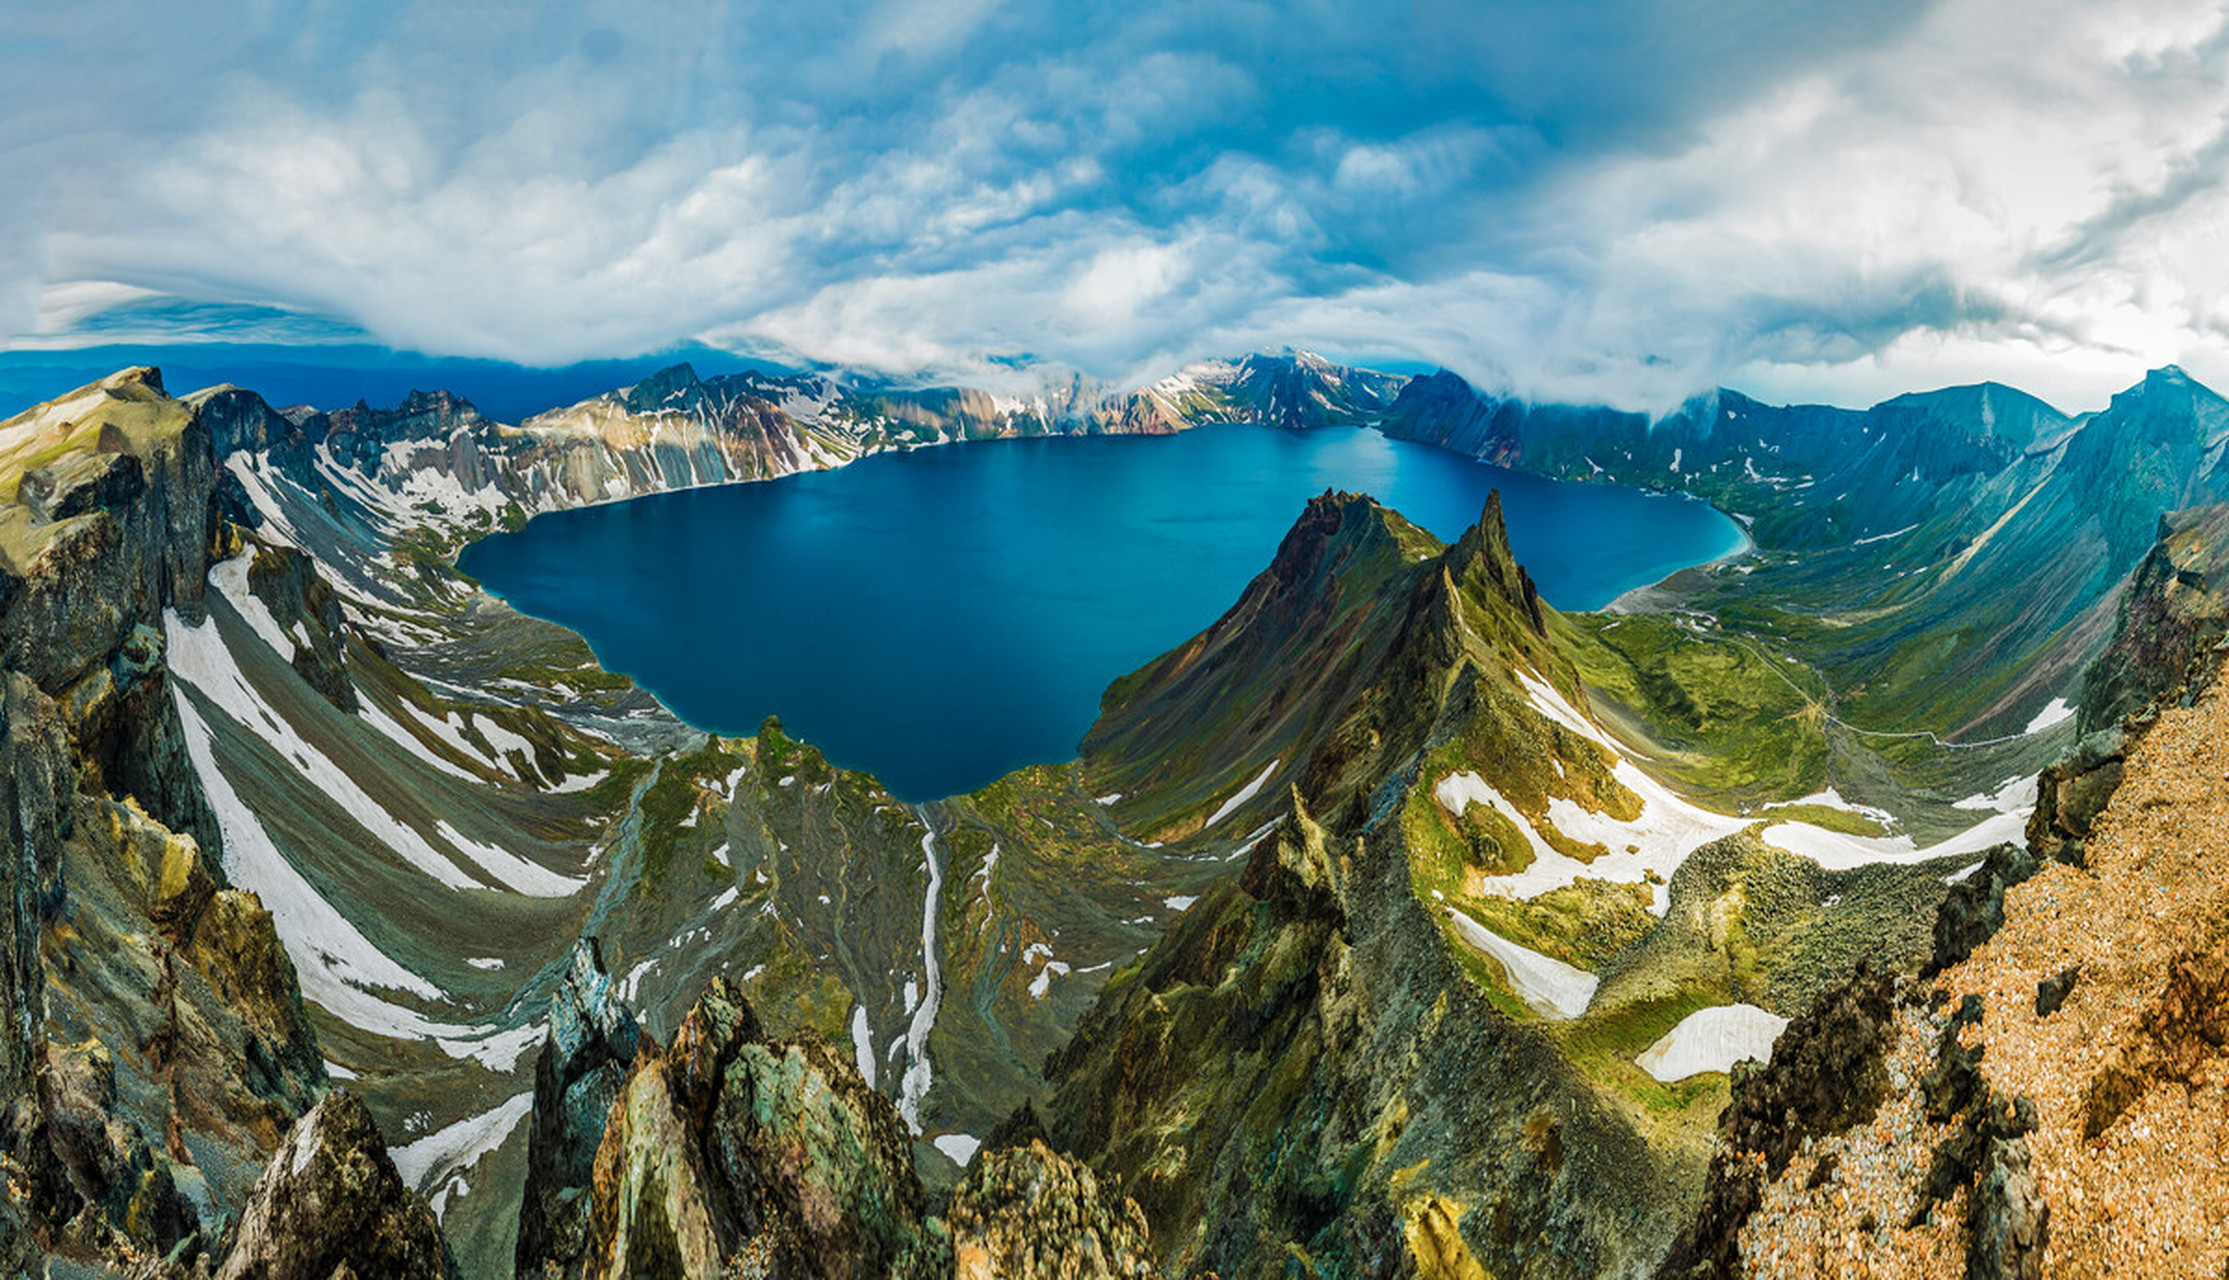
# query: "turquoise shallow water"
[944,616]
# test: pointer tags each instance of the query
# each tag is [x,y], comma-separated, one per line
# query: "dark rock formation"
[289,585]
[1986,1155]
[1974,909]
[330,1199]
[2051,993]
[2073,792]
[2010,1224]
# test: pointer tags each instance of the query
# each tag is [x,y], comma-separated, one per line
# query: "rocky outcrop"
[2171,618]
[736,1152]
[593,1041]
[2010,1224]
[1028,1213]
[733,1148]
[98,545]
[305,606]
[2071,793]
[1974,909]
[331,1204]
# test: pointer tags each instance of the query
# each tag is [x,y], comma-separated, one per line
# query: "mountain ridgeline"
[1395,924]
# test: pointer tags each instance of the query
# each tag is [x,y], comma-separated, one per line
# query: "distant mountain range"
[1943,558]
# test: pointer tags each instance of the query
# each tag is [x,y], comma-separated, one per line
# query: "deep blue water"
[944,616]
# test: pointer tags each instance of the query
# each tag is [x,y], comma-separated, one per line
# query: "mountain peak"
[143,375]
[674,387]
[1486,546]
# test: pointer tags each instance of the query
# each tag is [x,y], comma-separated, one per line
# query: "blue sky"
[1620,202]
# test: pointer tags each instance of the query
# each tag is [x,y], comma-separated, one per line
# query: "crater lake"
[942,616]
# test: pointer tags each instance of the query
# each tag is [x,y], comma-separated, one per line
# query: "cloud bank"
[1623,201]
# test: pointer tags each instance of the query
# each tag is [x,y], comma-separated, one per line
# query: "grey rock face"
[85,483]
[2011,1223]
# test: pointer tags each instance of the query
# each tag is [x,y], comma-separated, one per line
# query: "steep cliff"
[155,1046]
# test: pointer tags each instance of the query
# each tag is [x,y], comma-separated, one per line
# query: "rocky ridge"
[156,1046]
[1322,1059]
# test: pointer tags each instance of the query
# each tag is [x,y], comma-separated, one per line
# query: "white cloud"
[1626,201]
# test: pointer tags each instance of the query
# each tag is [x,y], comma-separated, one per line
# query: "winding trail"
[1826,708]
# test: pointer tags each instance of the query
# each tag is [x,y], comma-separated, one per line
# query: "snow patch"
[863,1044]
[1243,794]
[1883,537]
[408,741]
[498,1052]
[1552,988]
[1713,1039]
[2014,795]
[1042,984]
[2058,712]
[230,578]
[514,872]
[1835,851]
[914,1085]
[446,1153]
[959,1148]
[502,739]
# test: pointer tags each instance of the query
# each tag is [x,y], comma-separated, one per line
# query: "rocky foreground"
[2046,1097]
